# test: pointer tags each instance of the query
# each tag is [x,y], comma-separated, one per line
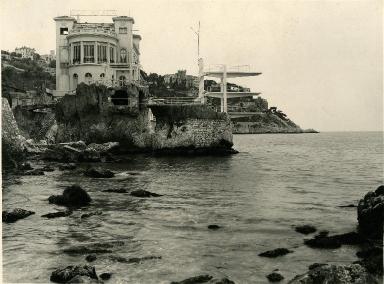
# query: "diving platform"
[223,74]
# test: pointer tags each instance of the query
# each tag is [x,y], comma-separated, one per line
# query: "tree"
[52,64]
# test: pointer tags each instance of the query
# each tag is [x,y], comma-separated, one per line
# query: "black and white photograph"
[192,141]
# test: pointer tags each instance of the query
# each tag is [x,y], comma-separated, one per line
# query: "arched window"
[102,75]
[75,80]
[123,55]
[122,80]
[88,78]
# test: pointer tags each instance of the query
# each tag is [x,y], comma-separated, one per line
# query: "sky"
[321,61]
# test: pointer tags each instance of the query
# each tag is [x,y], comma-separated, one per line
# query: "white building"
[26,52]
[105,53]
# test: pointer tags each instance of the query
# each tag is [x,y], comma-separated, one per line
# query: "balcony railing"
[92,31]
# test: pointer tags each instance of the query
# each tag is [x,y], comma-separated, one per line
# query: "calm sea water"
[257,196]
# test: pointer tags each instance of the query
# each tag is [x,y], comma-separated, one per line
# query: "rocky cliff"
[266,123]
[95,115]
[13,143]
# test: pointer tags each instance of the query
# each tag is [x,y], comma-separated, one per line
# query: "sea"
[257,197]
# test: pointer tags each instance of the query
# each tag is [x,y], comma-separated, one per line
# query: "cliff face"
[13,143]
[95,115]
[265,123]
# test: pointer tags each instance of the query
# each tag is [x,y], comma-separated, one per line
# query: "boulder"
[25,167]
[57,214]
[16,214]
[144,193]
[340,274]
[276,252]
[305,229]
[370,211]
[103,148]
[98,173]
[13,143]
[275,277]
[63,275]
[73,196]
[372,259]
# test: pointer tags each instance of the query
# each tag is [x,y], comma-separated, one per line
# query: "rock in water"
[305,229]
[57,214]
[370,212]
[276,252]
[91,257]
[195,280]
[339,274]
[16,214]
[144,193]
[275,277]
[105,276]
[63,275]
[73,196]
[98,173]
[214,227]
[70,166]
[331,242]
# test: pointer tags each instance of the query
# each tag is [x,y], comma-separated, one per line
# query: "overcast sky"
[321,61]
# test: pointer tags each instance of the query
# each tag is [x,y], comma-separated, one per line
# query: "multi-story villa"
[26,52]
[105,53]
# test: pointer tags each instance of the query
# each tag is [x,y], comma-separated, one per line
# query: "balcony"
[92,31]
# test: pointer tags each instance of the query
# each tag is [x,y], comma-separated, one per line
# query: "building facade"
[26,52]
[104,53]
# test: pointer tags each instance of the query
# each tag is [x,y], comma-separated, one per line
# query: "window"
[76,53]
[123,56]
[63,31]
[75,80]
[88,78]
[122,80]
[89,52]
[112,54]
[102,53]
[123,30]
[102,75]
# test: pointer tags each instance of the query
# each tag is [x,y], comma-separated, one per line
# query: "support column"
[225,109]
[71,54]
[201,80]
[81,52]
[108,55]
[95,53]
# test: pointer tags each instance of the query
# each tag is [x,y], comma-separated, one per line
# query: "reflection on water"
[257,197]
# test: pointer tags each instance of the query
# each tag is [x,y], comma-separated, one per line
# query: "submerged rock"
[73,196]
[35,172]
[63,275]
[99,173]
[48,169]
[214,227]
[119,190]
[25,166]
[87,215]
[194,280]
[16,214]
[144,193]
[93,248]
[70,166]
[340,274]
[370,211]
[305,229]
[276,252]
[105,276]
[275,277]
[133,259]
[91,257]
[57,214]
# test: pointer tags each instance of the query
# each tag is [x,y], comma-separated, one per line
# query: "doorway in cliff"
[120,98]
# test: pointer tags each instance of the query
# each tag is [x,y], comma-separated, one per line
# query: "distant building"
[181,78]
[26,52]
[105,53]
[48,58]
